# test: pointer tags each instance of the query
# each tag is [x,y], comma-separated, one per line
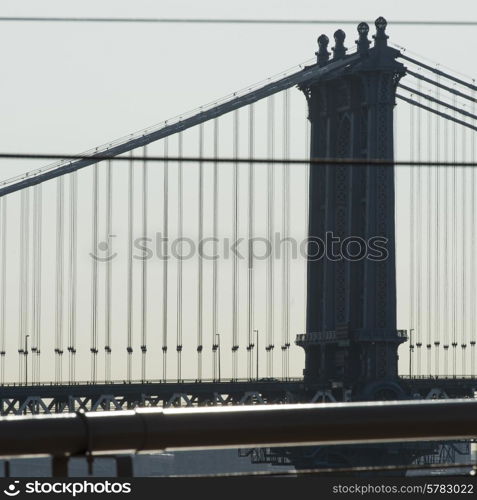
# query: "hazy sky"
[67,87]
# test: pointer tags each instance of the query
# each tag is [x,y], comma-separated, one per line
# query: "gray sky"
[69,87]
[72,86]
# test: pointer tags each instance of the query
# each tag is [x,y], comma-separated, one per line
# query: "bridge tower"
[351,340]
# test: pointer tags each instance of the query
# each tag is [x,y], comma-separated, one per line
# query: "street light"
[256,331]
[411,349]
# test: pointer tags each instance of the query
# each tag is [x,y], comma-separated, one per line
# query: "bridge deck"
[123,388]
[56,398]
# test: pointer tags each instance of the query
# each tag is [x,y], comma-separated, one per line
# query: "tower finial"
[363,43]
[322,55]
[339,50]
[380,38]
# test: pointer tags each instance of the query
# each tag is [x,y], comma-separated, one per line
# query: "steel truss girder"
[20,400]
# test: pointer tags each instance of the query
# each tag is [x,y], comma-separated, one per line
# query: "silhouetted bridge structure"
[241,169]
[52,398]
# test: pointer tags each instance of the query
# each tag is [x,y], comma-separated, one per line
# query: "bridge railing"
[318,424]
[224,380]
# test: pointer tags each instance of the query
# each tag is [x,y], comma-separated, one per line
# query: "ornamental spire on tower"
[363,43]
[339,50]
[322,54]
[380,38]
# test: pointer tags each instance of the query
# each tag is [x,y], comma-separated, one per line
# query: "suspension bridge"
[303,222]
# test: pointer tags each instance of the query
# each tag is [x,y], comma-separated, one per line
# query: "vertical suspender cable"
[419,257]
[437,173]
[445,232]
[412,237]
[454,246]
[24,280]
[39,280]
[251,206]
[3,287]
[464,269]
[270,226]
[108,277]
[94,278]
[37,234]
[215,270]
[129,347]
[235,216]
[285,236]
[200,263]
[472,243]
[60,229]
[144,268]
[165,270]
[33,290]
[429,249]
[72,274]
[180,208]
[21,286]
[306,214]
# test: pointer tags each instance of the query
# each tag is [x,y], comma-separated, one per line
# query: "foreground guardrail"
[146,429]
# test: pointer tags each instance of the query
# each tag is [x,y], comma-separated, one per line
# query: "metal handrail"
[149,429]
[438,377]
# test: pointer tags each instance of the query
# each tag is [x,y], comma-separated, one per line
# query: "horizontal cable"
[437,101]
[441,86]
[213,159]
[171,20]
[438,113]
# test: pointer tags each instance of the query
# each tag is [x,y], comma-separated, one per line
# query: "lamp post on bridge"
[218,351]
